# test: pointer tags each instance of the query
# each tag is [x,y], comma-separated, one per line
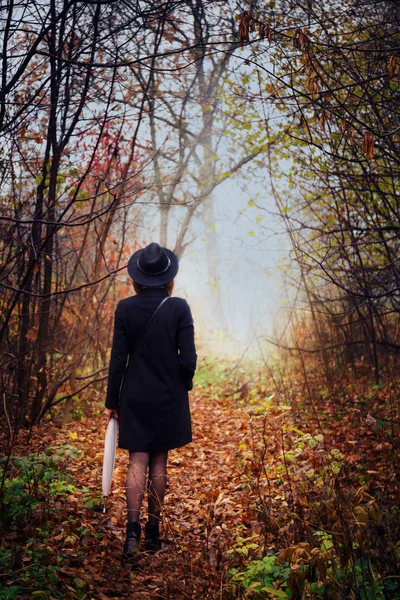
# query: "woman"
[153,360]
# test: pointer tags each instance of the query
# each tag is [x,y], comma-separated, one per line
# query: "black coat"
[150,387]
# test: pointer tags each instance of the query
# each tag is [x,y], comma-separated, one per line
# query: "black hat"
[153,265]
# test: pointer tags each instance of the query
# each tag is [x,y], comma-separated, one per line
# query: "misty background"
[248,299]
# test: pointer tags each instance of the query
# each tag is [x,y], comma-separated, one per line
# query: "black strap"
[149,322]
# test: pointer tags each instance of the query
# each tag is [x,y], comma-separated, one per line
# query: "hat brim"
[152,280]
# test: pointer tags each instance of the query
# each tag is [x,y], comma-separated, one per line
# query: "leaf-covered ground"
[280,468]
[205,502]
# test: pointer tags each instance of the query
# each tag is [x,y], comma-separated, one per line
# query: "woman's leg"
[136,483]
[156,484]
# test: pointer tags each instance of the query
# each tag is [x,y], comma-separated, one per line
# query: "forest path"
[68,551]
[205,502]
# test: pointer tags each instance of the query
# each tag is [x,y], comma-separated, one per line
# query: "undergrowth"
[322,469]
[34,490]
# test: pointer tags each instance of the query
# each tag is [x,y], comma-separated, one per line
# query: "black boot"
[132,540]
[152,541]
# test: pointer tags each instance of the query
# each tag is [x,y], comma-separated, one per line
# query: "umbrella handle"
[105,504]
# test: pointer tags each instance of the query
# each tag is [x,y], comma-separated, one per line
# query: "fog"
[252,247]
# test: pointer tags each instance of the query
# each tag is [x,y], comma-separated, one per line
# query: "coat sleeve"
[187,351]
[118,361]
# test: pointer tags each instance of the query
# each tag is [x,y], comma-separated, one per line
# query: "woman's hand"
[110,412]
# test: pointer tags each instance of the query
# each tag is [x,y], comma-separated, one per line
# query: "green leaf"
[391,585]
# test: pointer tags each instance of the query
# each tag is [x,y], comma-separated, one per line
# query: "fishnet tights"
[137,481]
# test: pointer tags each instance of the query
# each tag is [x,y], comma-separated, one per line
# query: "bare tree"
[71,173]
[190,108]
[332,73]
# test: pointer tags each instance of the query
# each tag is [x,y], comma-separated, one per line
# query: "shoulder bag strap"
[149,322]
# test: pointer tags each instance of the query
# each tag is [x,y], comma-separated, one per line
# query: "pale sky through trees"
[252,244]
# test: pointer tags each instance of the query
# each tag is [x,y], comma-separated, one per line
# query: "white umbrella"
[110,444]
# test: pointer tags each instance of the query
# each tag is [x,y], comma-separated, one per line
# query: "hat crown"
[153,260]
[153,266]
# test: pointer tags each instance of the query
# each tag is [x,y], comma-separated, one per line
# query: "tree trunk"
[213,263]
[45,311]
